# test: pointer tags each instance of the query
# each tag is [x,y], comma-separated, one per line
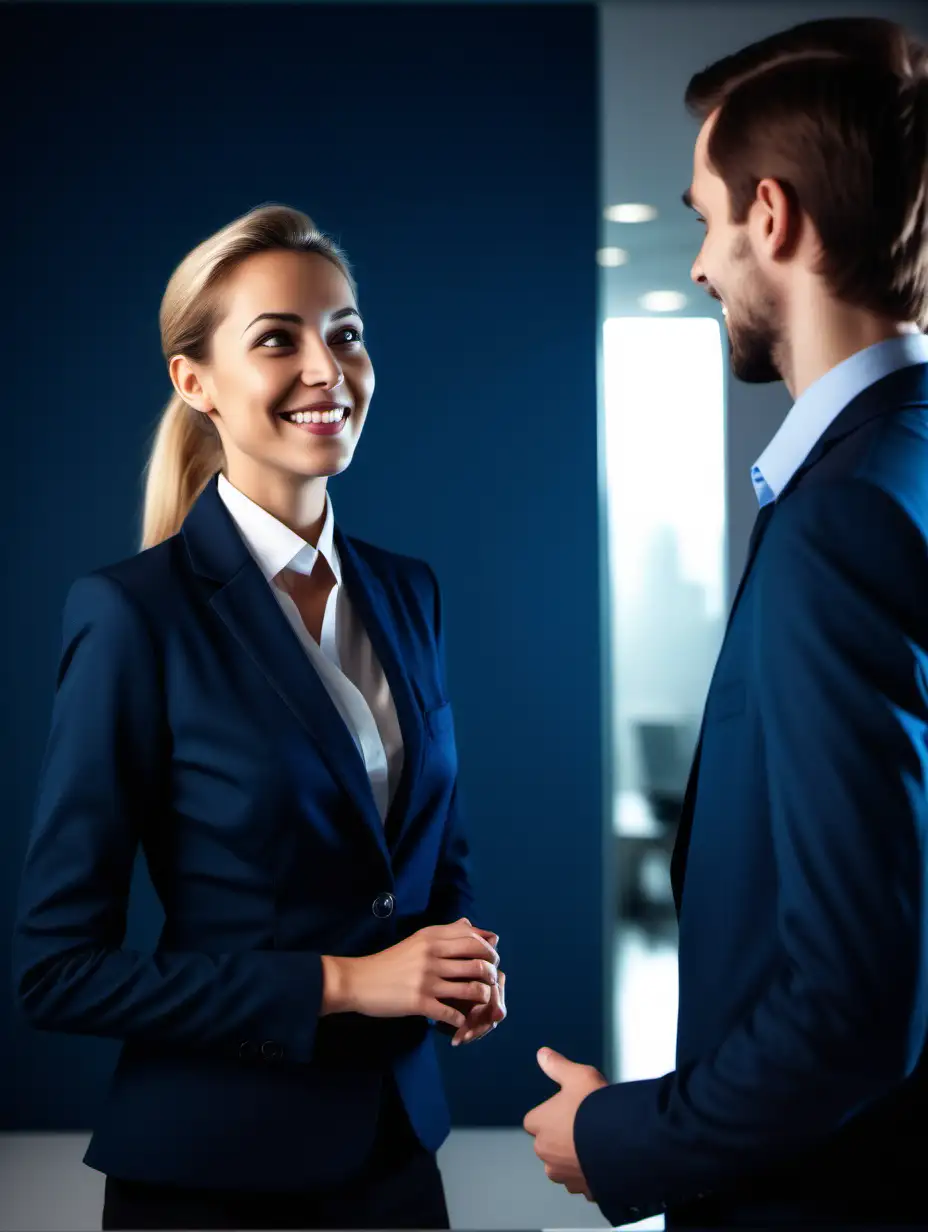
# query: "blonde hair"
[186,451]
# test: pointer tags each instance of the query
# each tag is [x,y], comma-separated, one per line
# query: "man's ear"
[776,221]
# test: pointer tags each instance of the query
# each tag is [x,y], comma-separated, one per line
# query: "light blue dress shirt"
[816,409]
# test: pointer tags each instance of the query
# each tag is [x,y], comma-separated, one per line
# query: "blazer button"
[271,1050]
[247,1050]
[382,906]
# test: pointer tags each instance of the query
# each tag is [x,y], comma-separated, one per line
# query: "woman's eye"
[279,334]
[278,339]
[350,334]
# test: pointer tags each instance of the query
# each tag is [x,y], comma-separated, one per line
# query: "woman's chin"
[323,466]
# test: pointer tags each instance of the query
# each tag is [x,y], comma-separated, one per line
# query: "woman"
[260,703]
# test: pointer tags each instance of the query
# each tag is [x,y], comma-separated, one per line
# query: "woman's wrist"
[337,985]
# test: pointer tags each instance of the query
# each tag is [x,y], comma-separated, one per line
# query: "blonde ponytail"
[187,451]
[185,455]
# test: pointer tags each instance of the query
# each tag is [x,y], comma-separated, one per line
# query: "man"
[800,1094]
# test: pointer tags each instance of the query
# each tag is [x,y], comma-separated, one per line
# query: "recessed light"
[611,257]
[630,212]
[663,301]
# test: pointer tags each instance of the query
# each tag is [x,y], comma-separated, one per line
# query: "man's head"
[811,170]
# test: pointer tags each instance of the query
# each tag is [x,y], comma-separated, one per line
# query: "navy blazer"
[189,720]
[800,1093]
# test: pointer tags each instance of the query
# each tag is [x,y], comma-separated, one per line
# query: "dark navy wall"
[453,151]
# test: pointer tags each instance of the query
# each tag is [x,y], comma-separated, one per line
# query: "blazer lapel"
[682,843]
[901,390]
[249,610]
[373,606]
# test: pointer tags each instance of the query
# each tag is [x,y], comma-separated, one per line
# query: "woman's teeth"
[302,417]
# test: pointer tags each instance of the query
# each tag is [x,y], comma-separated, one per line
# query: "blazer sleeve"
[840,664]
[104,782]
[452,893]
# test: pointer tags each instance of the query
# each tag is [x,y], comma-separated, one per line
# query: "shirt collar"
[274,546]
[814,411]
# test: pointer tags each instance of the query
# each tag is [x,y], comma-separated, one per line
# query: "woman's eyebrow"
[295,319]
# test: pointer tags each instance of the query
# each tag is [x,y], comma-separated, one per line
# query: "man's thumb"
[553,1064]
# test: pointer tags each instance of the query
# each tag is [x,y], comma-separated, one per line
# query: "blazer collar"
[244,602]
[382,622]
[901,390]
[247,607]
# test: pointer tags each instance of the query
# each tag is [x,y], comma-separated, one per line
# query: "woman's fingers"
[468,1034]
[499,1005]
[462,990]
[493,938]
[468,946]
[441,1012]
[482,1019]
[466,969]
[463,930]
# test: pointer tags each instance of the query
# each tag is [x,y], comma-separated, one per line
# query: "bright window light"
[664,442]
[665,448]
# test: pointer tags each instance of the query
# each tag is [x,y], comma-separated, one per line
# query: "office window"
[665,463]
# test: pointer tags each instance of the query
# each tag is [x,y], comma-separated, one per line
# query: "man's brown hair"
[836,112]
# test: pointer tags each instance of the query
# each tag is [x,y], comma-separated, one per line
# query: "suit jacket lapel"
[681,846]
[907,387]
[373,606]
[249,610]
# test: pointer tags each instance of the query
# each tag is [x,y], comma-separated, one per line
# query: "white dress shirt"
[814,411]
[344,658]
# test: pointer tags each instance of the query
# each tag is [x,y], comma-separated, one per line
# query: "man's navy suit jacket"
[800,1093]
[189,720]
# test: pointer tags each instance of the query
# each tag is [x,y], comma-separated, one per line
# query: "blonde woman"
[260,703]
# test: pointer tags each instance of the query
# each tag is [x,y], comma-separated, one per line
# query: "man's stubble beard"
[755,326]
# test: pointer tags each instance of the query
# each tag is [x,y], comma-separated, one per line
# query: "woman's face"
[288,381]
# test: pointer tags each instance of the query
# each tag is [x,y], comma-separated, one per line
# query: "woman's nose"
[321,368]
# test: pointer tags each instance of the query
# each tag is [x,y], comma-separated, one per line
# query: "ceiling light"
[630,212]
[663,301]
[611,257]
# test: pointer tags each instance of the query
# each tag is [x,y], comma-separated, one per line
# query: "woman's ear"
[187,380]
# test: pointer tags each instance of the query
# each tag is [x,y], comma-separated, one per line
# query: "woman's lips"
[321,429]
[321,419]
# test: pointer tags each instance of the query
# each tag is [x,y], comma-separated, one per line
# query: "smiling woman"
[259,327]
[260,703]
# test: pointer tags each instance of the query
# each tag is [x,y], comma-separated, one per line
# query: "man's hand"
[551,1124]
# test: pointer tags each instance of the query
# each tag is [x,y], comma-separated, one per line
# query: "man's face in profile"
[727,269]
